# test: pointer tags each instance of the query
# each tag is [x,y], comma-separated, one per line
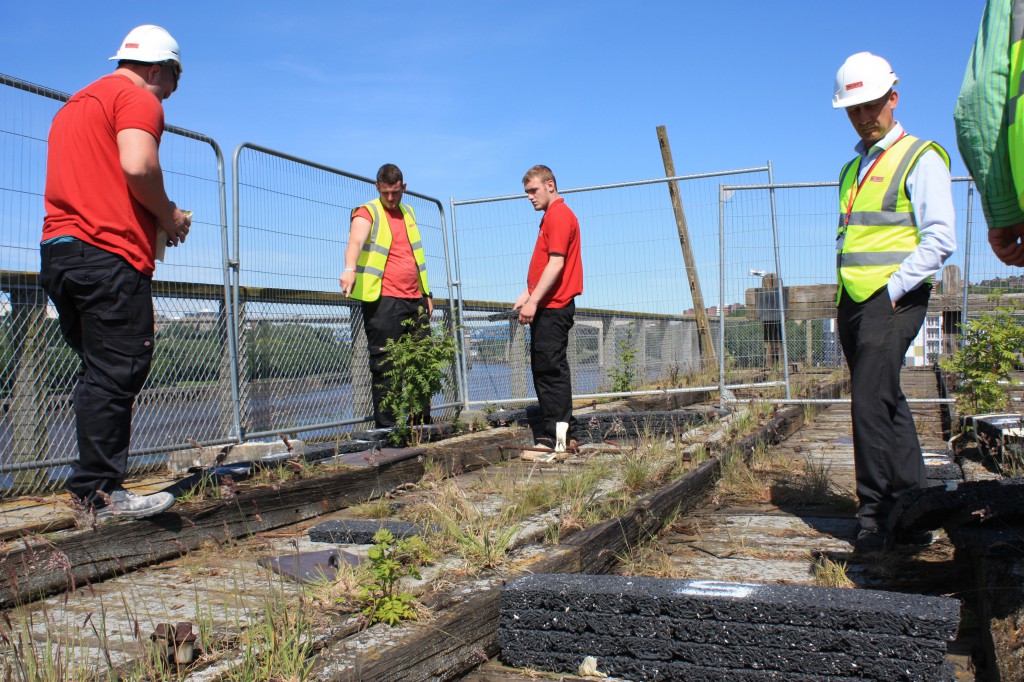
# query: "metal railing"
[291,221]
[802,216]
[636,298]
[255,339]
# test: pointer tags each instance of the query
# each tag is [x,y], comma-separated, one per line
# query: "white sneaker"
[128,505]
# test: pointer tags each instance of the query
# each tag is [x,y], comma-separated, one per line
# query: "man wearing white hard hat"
[105,203]
[896,229]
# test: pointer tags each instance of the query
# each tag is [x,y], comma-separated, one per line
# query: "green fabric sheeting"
[981,116]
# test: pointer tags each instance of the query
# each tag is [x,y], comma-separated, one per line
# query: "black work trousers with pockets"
[549,343]
[384,320]
[887,454]
[106,316]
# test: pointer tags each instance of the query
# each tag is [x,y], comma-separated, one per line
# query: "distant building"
[927,344]
[924,350]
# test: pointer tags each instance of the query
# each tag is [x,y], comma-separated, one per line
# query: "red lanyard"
[856,191]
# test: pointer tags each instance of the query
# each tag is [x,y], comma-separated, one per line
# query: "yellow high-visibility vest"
[374,256]
[1015,95]
[882,229]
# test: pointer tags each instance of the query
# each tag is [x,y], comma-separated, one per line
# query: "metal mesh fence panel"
[807,216]
[635,324]
[302,352]
[187,396]
[989,283]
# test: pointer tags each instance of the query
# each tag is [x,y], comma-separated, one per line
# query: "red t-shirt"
[559,236]
[401,274]
[86,195]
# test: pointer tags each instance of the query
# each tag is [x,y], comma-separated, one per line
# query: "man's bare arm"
[140,161]
[358,233]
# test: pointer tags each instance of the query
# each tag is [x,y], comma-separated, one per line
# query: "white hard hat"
[150,44]
[863,77]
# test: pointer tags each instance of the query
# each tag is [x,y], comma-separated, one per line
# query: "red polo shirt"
[87,196]
[559,236]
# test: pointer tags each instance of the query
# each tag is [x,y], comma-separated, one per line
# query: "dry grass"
[830,573]
[380,508]
[651,561]
[740,483]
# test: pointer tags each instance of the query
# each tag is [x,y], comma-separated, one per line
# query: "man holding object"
[105,202]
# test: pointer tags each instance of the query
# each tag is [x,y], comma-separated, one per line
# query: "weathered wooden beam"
[80,557]
[464,632]
[477,450]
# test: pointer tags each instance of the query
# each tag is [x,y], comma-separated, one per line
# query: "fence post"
[29,394]
[611,351]
[641,352]
[573,357]
[362,399]
[226,396]
[950,288]
[809,348]
[517,361]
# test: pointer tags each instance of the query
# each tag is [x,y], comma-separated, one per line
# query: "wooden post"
[770,313]
[951,319]
[809,351]
[707,346]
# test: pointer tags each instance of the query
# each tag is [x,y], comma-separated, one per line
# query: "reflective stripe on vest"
[1015,100]
[882,229]
[374,255]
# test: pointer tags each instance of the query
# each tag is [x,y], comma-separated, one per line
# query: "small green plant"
[390,561]
[990,351]
[420,364]
[624,374]
[205,488]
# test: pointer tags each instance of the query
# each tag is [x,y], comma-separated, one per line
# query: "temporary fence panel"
[989,284]
[302,351]
[807,216]
[188,397]
[635,322]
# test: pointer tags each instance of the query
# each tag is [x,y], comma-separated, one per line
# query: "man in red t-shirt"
[105,203]
[385,268]
[554,280]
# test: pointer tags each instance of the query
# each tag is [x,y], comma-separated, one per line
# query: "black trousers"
[106,315]
[549,343]
[886,451]
[384,320]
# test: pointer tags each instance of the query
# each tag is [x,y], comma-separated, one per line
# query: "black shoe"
[917,538]
[870,540]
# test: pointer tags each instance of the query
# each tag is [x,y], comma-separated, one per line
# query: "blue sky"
[465,96]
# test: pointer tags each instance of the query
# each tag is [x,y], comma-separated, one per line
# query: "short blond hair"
[542,173]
